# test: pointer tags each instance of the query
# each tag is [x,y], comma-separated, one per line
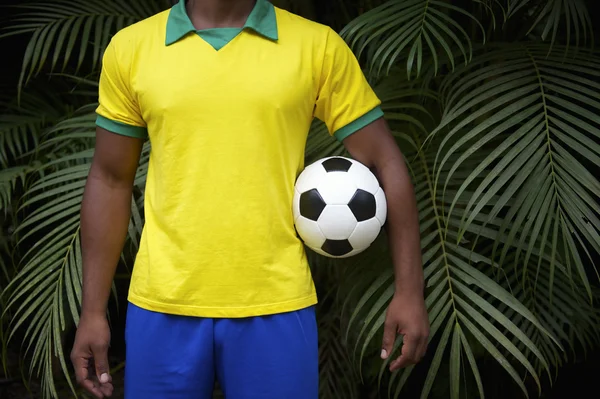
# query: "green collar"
[262,20]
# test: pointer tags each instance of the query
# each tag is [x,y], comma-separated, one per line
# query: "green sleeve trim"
[121,128]
[358,124]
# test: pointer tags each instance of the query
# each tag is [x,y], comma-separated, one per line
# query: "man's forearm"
[105,216]
[375,147]
[402,225]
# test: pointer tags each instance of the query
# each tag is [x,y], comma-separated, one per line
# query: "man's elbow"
[110,176]
[374,146]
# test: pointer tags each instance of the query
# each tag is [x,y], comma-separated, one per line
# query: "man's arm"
[105,214]
[375,147]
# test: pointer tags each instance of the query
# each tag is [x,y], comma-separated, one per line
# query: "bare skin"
[375,147]
[207,14]
[105,216]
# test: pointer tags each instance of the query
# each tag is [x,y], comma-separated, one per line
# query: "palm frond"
[6,269]
[22,124]
[9,179]
[64,29]
[468,309]
[537,115]
[413,29]
[562,306]
[551,14]
[337,377]
[45,295]
[565,311]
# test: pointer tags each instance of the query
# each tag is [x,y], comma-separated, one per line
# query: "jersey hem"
[351,128]
[221,312]
[121,128]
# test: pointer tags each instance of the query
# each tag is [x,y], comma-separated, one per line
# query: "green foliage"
[550,14]
[494,104]
[63,28]
[21,124]
[549,106]
[417,26]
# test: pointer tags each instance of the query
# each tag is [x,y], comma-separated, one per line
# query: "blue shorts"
[179,357]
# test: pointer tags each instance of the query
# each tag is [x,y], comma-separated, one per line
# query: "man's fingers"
[92,388]
[101,363]
[422,349]
[389,336]
[81,365]
[408,356]
[107,389]
[82,375]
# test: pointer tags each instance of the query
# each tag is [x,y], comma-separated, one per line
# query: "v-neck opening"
[218,38]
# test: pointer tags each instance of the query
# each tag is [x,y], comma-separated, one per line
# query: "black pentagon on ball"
[337,247]
[336,164]
[363,205]
[311,204]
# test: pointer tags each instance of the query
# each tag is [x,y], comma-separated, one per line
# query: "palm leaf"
[466,306]
[561,305]
[537,115]
[550,14]
[337,378]
[65,29]
[413,28]
[22,124]
[51,270]
[9,179]
[45,295]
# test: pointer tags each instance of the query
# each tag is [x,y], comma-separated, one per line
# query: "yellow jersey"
[227,112]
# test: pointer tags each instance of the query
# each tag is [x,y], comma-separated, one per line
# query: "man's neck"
[207,14]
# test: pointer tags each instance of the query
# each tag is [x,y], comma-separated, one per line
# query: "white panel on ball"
[336,188]
[381,206]
[364,234]
[310,232]
[337,222]
[309,176]
[296,205]
[363,178]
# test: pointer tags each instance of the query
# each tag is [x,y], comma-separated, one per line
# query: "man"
[226,91]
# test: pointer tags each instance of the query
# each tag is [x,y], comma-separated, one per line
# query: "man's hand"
[406,315]
[90,356]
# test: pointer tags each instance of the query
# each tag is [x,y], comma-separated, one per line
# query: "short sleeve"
[345,101]
[118,110]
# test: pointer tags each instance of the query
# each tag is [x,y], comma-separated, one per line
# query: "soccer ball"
[339,207]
